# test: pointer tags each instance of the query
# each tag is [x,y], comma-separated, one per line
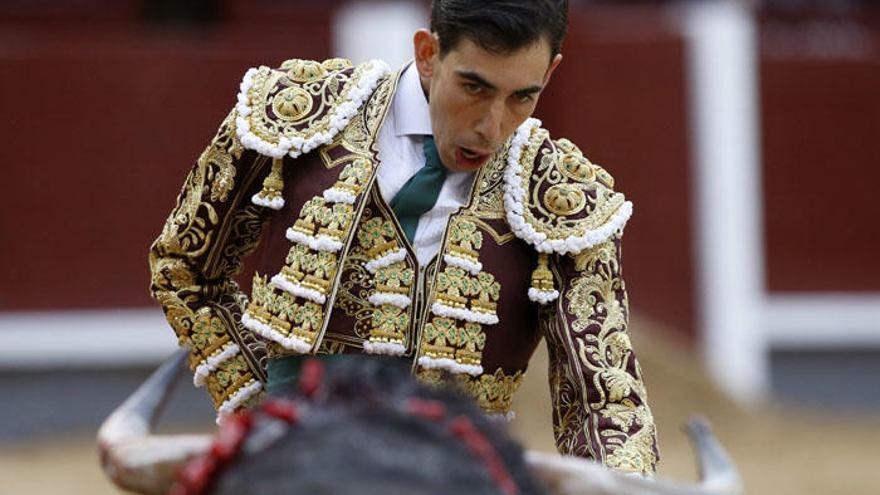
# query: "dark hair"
[499,26]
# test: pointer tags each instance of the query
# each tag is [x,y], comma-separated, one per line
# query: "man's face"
[477,98]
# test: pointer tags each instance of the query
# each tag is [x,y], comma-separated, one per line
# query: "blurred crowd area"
[108,102]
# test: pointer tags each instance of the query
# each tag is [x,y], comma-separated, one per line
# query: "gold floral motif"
[374,232]
[486,290]
[355,176]
[245,227]
[325,90]
[334,64]
[193,259]
[564,199]
[319,217]
[590,350]
[571,204]
[231,375]
[471,339]
[357,283]
[493,392]
[452,284]
[465,240]
[441,335]
[310,269]
[488,197]
[189,230]
[576,166]
[634,453]
[379,102]
[304,71]
[208,332]
[396,278]
[292,103]
[389,324]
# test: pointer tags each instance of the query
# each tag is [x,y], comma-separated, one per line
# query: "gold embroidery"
[493,392]
[389,324]
[323,229]
[563,199]
[488,200]
[452,284]
[440,336]
[319,217]
[292,103]
[633,453]
[231,375]
[470,295]
[330,346]
[273,184]
[198,251]
[571,204]
[593,333]
[471,340]
[336,63]
[354,289]
[304,71]
[542,277]
[465,240]
[291,117]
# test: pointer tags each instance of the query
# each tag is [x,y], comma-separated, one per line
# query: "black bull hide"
[361,425]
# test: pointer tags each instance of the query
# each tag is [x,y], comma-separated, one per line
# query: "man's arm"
[599,399]
[193,260]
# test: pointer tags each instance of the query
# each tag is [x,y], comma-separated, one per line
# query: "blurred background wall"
[106,104]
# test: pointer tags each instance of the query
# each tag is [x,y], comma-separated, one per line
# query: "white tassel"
[450,365]
[291,343]
[445,311]
[384,348]
[211,364]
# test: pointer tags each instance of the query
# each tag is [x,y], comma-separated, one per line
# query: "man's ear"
[426,47]
[553,65]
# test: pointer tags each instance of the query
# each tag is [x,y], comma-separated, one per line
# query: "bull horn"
[131,456]
[564,475]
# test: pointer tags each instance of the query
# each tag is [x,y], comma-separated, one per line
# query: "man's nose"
[490,122]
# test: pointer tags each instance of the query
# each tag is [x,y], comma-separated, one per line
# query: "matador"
[418,213]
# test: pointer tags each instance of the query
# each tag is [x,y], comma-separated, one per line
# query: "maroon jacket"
[535,253]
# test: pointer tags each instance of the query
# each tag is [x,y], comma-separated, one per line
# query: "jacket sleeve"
[599,398]
[192,263]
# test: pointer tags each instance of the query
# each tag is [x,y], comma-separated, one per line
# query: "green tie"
[420,192]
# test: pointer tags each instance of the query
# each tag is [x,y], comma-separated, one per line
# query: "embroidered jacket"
[535,253]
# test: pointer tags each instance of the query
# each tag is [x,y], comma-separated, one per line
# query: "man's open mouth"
[470,159]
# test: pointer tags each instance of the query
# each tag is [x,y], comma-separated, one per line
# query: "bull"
[370,430]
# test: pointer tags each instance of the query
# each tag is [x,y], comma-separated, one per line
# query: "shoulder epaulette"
[555,198]
[303,104]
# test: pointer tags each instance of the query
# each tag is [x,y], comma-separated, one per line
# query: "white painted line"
[829,321]
[77,339]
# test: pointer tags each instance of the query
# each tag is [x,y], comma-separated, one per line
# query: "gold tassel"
[273,186]
[543,290]
[542,277]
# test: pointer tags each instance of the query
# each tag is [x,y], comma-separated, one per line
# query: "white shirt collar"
[410,106]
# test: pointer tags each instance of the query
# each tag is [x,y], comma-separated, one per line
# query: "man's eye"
[473,88]
[525,98]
